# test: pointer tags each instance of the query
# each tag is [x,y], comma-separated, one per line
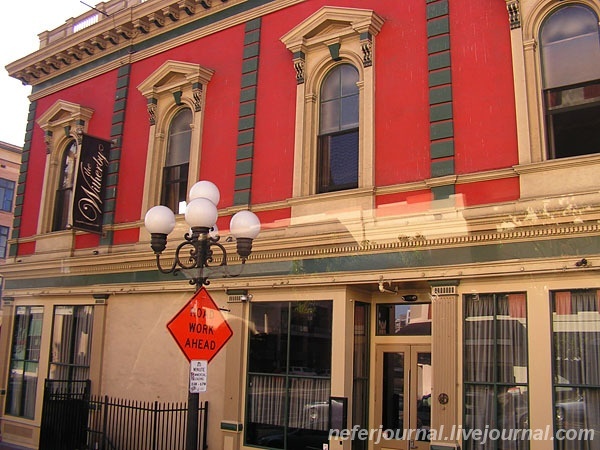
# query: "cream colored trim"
[528,76]
[194,35]
[309,43]
[55,122]
[171,77]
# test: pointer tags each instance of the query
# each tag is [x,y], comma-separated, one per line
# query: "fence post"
[205,426]
[155,426]
[104,421]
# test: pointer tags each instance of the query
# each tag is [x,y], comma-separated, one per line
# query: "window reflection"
[404,319]
[289,370]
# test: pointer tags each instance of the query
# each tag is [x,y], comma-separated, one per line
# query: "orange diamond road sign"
[199,327]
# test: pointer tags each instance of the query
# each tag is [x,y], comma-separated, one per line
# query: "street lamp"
[196,253]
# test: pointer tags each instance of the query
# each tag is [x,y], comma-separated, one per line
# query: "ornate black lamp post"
[196,253]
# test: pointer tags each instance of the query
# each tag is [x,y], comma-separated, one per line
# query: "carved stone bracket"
[171,12]
[188,6]
[157,18]
[142,25]
[79,128]
[299,62]
[514,13]
[152,110]
[48,141]
[197,92]
[366,45]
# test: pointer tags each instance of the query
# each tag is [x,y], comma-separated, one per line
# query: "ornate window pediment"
[172,88]
[69,118]
[330,37]
[332,23]
[174,77]
[64,124]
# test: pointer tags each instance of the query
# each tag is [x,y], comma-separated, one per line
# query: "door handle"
[411,444]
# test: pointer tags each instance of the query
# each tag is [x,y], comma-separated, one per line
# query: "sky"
[19,38]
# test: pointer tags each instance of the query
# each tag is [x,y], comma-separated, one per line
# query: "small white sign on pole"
[198,375]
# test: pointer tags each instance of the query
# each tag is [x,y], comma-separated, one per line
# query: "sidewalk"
[5,446]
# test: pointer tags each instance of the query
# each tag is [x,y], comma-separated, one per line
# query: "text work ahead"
[199,327]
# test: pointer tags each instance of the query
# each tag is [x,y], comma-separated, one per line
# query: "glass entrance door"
[403,397]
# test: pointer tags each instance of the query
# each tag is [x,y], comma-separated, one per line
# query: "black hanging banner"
[88,205]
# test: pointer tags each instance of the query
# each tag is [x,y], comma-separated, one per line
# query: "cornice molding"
[302,248]
[126,28]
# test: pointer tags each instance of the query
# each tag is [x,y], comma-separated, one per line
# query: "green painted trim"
[250,65]
[438,26]
[438,44]
[243,182]
[251,37]
[241,198]
[441,130]
[251,50]
[248,108]
[248,94]
[245,137]
[118,117]
[156,40]
[440,112]
[443,192]
[334,51]
[442,168]
[437,9]
[438,61]
[253,24]
[120,105]
[107,237]
[441,94]
[440,77]
[116,129]
[244,152]
[246,123]
[435,283]
[12,249]
[441,149]
[122,82]
[243,167]
[228,426]
[413,258]
[249,79]
[124,70]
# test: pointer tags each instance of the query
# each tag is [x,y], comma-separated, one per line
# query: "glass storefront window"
[24,361]
[576,355]
[495,367]
[71,343]
[404,319]
[289,370]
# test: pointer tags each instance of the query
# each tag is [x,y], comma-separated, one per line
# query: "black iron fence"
[74,420]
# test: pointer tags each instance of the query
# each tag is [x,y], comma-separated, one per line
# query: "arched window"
[338,130]
[175,171]
[570,50]
[64,190]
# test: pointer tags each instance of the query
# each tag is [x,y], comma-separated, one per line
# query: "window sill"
[557,176]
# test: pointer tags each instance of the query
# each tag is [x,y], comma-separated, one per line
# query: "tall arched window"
[175,171]
[338,130]
[64,190]
[570,44]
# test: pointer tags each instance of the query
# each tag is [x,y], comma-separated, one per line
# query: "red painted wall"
[482,86]
[484,119]
[103,88]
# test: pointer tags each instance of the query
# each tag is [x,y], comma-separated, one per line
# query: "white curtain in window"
[576,329]
[308,401]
